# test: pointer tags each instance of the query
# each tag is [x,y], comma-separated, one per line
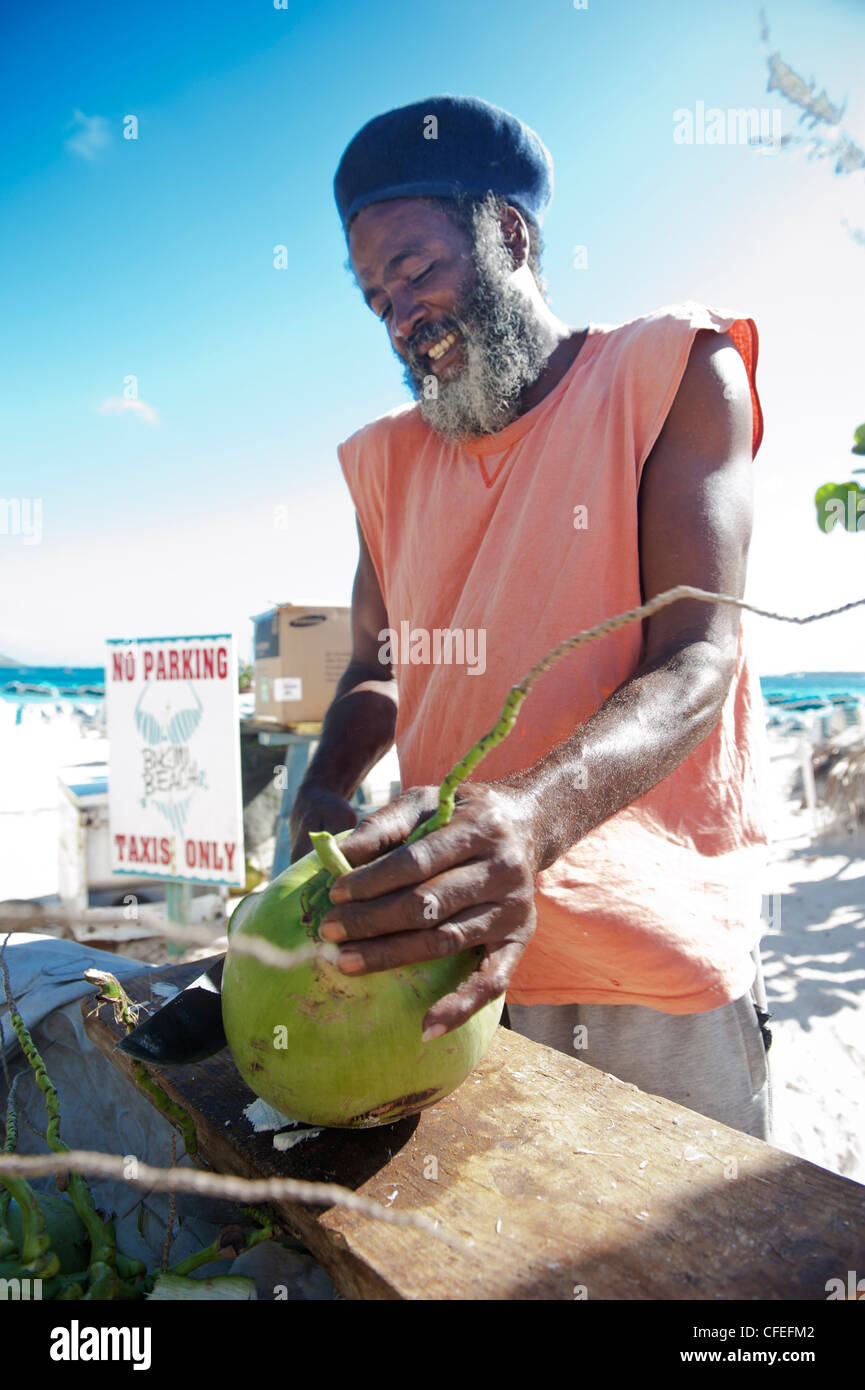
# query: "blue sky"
[220,493]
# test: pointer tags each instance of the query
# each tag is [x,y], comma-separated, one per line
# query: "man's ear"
[516,235]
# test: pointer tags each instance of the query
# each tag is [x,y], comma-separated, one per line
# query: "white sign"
[174,792]
[288,688]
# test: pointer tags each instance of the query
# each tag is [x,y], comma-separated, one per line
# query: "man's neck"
[560,360]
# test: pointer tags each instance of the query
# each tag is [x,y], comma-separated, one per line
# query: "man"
[606,855]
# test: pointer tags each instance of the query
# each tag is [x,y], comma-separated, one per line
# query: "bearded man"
[607,855]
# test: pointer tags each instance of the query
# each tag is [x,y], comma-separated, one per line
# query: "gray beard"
[504,351]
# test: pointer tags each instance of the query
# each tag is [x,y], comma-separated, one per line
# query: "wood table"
[569,1182]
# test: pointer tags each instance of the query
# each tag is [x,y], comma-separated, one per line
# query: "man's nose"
[407,316]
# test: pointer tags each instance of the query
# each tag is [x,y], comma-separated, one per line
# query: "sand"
[814,964]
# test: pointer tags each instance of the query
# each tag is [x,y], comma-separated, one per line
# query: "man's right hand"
[316,808]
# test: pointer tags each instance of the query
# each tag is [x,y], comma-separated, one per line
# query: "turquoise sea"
[817,686]
[24,684]
[42,684]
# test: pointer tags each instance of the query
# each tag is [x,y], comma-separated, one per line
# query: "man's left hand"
[470,883]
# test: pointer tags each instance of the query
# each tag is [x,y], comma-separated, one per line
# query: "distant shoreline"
[62,682]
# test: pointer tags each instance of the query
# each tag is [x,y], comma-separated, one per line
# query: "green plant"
[63,1240]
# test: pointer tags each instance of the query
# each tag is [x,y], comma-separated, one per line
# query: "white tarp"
[100,1109]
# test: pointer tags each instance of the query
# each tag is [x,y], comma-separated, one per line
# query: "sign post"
[174,792]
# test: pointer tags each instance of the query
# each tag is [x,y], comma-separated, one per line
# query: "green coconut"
[331,1050]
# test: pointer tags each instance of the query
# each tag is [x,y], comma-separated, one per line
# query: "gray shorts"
[715,1063]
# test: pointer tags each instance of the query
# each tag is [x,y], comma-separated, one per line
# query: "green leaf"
[859,438]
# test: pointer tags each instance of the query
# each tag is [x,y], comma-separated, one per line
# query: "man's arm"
[479,871]
[695,510]
[359,724]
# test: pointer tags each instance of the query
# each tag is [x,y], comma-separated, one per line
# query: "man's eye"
[414,280]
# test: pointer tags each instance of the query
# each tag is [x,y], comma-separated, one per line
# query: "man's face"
[468,336]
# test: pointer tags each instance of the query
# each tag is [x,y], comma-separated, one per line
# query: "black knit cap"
[470,147]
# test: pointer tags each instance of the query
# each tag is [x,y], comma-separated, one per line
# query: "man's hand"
[470,883]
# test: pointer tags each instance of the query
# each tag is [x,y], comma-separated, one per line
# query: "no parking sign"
[174,792]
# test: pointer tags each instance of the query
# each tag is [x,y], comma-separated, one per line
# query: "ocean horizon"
[816,685]
[46,683]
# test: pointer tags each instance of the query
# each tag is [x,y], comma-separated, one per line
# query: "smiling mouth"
[441,348]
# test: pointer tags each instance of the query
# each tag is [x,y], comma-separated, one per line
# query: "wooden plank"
[569,1182]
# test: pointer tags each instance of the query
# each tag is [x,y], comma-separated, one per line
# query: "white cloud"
[140,410]
[91,135]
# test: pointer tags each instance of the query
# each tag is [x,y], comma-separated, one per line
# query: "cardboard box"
[300,656]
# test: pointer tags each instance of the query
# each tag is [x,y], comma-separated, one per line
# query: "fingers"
[383,830]
[474,885]
[405,865]
[481,826]
[473,927]
[488,982]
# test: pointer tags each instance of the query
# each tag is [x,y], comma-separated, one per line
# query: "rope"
[663,601]
[225,1185]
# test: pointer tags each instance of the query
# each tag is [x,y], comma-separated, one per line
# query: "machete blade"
[186,1029]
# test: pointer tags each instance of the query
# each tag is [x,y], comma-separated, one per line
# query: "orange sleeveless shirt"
[659,905]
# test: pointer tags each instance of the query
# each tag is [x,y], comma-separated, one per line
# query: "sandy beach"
[814,966]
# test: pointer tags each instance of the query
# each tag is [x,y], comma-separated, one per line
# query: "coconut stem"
[329,853]
[331,856]
[112,992]
[37,1258]
[169,1107]
[506,721]
[7,1244]
[102,1248]
[36,1254]
[213,1252]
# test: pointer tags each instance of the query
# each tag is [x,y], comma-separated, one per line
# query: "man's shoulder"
[686,315]
[397,425]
